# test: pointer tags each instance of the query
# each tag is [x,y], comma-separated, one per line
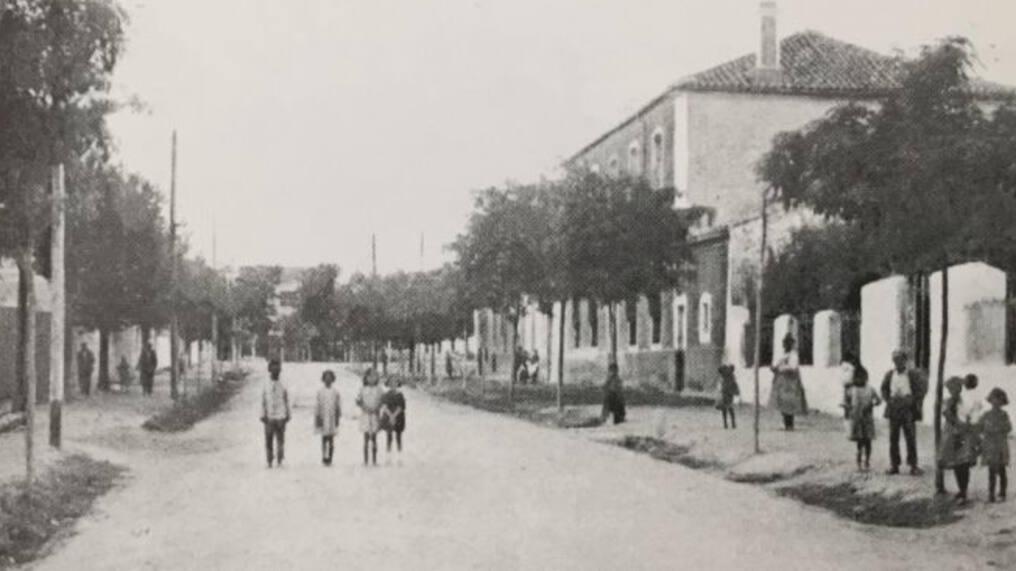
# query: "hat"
[999,396]
[954,384]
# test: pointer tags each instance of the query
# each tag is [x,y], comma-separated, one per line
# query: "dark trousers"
[369,447]
[729,411]
[398,439]
[614,405]
[85,383]
[275,440]
[962,473]
[147,380]
[327,448]
[997,473]
[788,421]
[906,426]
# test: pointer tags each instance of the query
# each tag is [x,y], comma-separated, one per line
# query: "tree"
[254,293]
[317,307]
[927,175]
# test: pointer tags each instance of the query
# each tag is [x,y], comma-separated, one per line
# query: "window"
[634,159]
[705,319]
[631,312]
[656,158]
[576,322]
[594,324]
[613,167]
[656,313]
[680,308]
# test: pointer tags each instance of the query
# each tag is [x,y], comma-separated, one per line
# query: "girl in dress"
[787,393]
[326,416]
[728,391]
[959,442]
[369,401]
[860,403]
[393,414]
[995,428]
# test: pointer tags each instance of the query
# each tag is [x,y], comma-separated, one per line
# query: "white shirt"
[899,386]
[275,401]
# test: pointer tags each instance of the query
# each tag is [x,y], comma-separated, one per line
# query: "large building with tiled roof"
[703,136]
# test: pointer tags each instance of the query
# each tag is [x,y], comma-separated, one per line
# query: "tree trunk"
[20,375]
[103,383]
[433,362]
[612,310]
[26,267]
[560,358]
[515,365]
[758,320]
[944,336]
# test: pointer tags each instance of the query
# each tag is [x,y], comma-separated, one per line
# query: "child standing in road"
[861,401]
[728,391]
[275,413]
[995,428]
[393,414]
[369,401]
[326,416]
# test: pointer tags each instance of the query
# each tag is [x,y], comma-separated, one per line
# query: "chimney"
[767,60]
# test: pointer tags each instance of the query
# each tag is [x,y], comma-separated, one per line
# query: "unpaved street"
[473,490]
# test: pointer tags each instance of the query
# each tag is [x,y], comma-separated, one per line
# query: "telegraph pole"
[215,313]
[58,309]
[174,324]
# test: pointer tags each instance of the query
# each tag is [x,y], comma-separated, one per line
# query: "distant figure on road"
[787,394]
[995,428]
[449,365]
[520,365]
[613,396]
[326,416]
[903,391]
[275,414]
[148,363]
[959,446]
[393,414]
[123,372]
[86,366]
[860,404]
[728,391]
[369,401]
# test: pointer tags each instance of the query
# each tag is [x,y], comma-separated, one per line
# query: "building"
[703,136]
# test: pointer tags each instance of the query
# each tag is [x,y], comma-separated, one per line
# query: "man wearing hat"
[903,390]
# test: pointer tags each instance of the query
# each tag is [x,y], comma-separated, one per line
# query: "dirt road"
[472,491]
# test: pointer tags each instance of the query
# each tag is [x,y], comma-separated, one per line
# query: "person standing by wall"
[86,366]
[787,393]
[148,363]
[903,390]
[613,396]
[958,450]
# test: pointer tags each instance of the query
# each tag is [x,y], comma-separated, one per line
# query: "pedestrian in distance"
[369,401]
[728,391]
[787,393]
[86,366]
[327,412]
[393,414]
[613,396]
[903,390]
[959,448]
[995,427]
[148,363]
[123,373]
[534,367]
[449,366]
[275,414]
[860,404]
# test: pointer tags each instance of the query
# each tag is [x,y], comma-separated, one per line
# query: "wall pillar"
[585,327]
[643,324]
[883,304]
[976,316]
[826,341]
[737,320]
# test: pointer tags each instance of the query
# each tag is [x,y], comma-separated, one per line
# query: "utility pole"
[758,314]
[58,310]
[174,325]
[373,255]
[215,313]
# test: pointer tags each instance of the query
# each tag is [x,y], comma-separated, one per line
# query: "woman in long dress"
[787,394]
[326,416]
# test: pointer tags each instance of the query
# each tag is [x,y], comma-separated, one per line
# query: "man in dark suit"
[903,390]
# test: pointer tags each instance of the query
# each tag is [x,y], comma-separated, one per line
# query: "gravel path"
[472,491]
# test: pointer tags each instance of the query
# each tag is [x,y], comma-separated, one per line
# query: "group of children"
[380,409]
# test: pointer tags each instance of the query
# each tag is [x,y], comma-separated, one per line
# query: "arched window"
[631,313]
[680,309]
[705,319]
[634,159]
[613,167]
[594,323]
[656,314]
[656,158]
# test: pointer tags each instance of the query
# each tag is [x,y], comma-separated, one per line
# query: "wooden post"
[940,380]
[57,285]
[26,261]
[560,356]
[174,325]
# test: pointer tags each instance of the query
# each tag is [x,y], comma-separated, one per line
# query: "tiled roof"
[815,64]
[812,64]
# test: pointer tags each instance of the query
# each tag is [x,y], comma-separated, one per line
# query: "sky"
[306,126]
